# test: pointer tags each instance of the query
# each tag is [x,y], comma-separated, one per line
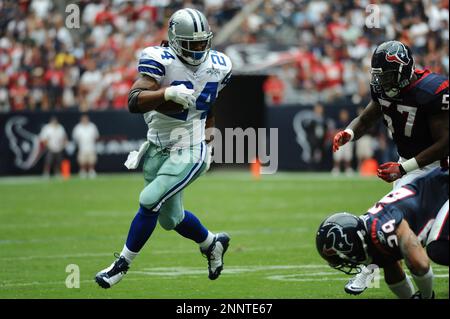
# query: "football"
[170,107]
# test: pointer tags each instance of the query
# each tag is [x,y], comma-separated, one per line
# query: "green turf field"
[47,225]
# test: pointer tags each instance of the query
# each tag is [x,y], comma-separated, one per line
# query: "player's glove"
[390,171]
[180,94]
[342,138]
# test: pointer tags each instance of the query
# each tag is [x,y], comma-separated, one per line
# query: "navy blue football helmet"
[341,241]
[392,67]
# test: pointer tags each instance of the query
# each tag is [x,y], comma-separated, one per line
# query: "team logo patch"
[339,242]
[396,55]
[381,237]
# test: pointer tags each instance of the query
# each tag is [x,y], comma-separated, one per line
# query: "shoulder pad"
[154,60]
[220,60]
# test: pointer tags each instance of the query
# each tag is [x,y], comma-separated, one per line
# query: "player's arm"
[359,126]
[416,259]
[147,95]
[438,124]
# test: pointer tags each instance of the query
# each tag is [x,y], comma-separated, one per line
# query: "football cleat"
[113,274]
[358,284]
[418,295]
[214,253]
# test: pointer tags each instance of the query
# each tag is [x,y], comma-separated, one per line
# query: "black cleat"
[418,295]
[113,274]
[215,253]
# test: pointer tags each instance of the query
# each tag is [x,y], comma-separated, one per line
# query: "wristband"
[409,165]
[350,132]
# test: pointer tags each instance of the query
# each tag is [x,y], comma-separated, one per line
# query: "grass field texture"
[46,225]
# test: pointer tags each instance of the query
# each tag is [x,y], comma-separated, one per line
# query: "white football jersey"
[208,79]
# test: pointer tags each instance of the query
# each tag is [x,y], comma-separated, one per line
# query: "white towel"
[134,157]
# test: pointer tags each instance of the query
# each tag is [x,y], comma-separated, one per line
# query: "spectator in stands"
[4,94]
[85,134]
[318,135]
[344,156]
[90,87]
[54,138]
[273,87]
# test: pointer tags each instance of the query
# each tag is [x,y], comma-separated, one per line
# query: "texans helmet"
[190,36]
[341,241]
[392,67]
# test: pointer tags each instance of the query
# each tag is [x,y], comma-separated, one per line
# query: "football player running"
[414,106]
[175,92]
[397,227]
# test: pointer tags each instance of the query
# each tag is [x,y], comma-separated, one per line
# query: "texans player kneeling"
[397,227]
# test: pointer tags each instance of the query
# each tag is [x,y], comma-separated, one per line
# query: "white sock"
[425,284]
[403,289]
[208,241]
[128,254]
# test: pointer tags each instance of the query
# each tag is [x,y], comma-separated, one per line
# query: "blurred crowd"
[336,43]
[45,65]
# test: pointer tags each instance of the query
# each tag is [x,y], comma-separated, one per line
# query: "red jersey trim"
[375,239]
[441,87]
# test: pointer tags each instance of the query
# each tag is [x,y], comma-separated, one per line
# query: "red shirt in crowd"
[274,87]
[54,77]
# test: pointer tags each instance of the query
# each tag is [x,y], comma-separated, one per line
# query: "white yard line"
[303,273]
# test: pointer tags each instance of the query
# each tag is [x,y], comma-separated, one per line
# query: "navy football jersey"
[406,115]
[418,203]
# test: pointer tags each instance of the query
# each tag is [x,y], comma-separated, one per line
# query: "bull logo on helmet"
[339,242]
[398,53]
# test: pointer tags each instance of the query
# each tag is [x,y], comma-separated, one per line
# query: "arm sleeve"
[382,233]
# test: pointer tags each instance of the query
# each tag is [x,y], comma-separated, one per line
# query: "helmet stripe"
[201,20]
[193,19]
